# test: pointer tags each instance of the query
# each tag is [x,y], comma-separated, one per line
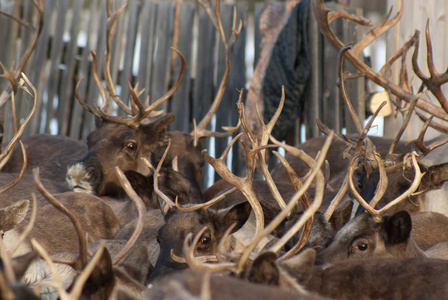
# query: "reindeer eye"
[131,146]
[204,241]
[360,185]
[362,246]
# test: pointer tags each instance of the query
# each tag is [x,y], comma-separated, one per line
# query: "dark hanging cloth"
[283,61]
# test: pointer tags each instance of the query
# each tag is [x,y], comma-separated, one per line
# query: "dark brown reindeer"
[185,150]
[381,278]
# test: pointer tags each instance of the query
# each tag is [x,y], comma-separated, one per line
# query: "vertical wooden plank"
[117,51]
[147,21]
[259,8]
[163,34]
[131,33]
[52,80]
[355,87]
[83,71]
[332,113]
[227,114]
[221,118]
[203,85]
[313,94]
[66,95]
[92,93]
[179,104]
[37,73]
[9,32]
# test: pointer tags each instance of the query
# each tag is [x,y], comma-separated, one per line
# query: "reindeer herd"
[124,215]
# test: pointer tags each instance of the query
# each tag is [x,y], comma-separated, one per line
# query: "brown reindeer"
[363,237]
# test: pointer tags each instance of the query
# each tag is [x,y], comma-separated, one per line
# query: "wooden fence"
[141,53]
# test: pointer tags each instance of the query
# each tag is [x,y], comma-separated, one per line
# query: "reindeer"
[103,277]
[89,174]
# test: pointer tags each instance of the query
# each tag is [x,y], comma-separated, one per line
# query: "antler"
[13,75]
[201,129]
[376,214]
[435,80]
[141,209]
[142,113]
[244,185]
[242,260]
[137,110]
[76,223]
[325,16]
[266,133]
[421,144]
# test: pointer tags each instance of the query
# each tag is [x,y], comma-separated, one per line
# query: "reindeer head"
[114,144]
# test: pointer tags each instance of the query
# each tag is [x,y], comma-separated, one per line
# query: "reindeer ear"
[397,228]
[13,215]
[239,213]
[300,266]
[264,269]
[435,176]
[137,264]
[341,215]
[101,281]
[156,130]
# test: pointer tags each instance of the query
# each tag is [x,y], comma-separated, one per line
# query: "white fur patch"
[77,179]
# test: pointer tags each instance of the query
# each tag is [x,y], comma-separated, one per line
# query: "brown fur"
[189,284]
[51,153]
[54,230]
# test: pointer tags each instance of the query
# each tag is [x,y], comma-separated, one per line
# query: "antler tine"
[147,112]
[435,80]
[322,17]
[258,148]
[165,198]
[405,123]
[99,84]
[13,76]
[244,185]
[201,129]
[283,214]
[141,209]
[421,144]
[12,143]
[206,204]
[320,187]
[110,33]
[21,173]
[373,34]
[76,223]
[377,214]
[347,101]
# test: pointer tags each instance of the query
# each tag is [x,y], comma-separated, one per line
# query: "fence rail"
[141,53]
